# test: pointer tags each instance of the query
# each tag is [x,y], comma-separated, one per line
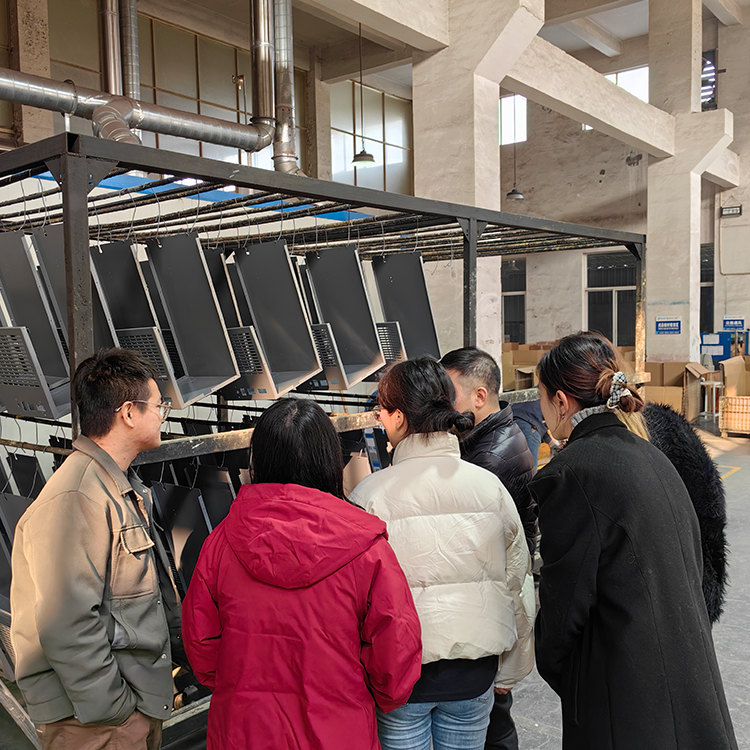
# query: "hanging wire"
[44,203]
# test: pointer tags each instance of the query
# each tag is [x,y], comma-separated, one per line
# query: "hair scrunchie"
[619,386]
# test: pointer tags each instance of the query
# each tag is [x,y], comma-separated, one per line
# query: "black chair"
[215,486]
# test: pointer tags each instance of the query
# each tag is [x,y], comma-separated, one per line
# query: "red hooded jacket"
[299,618]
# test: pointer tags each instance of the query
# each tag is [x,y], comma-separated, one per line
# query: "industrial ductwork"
[114,116]
[44,93]
[284,142]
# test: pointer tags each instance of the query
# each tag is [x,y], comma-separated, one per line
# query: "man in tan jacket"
[93,602]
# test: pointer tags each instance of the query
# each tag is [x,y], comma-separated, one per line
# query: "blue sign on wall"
[668,325]
[733,324]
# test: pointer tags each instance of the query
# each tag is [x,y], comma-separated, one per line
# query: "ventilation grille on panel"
[245,351]
[144,343]
[174,355]
[7,645]
[390,341]
[16,366]
[64,343]
[322,338]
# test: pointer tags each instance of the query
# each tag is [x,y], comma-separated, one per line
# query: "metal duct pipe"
[261,29]
[131,75]
[44,93]
[285,142]
[111,30]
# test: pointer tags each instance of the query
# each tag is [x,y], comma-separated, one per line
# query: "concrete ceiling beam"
[413,23]
[562,11]
[550,77]
[595,36]
[341,62]
[725,171]
[729,12]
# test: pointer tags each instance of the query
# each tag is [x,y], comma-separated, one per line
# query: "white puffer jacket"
[456,532]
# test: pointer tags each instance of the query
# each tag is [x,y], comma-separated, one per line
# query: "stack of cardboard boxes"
[734,415]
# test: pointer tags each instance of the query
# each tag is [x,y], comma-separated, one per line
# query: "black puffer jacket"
[673,435]
[497,444]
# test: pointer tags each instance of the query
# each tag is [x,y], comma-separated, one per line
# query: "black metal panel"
[27,304]
[217,268]
[190,304]
[280,320]
[12,507]
[217,491]
[49,244]
[246,317]
[117,273]
[404,297]
[28,474]
[183,516]
[341,298]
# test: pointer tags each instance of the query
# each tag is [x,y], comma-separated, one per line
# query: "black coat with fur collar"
[673,435]
[623,634]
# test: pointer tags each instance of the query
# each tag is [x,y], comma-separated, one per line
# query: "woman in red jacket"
[298,616]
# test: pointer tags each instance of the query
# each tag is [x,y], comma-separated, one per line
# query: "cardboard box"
[524,347]
[527,357]
[510,346]
[659,394]
[674,373]
[657,373]
[735,377]
[508,371]
[525,378]
[692,398]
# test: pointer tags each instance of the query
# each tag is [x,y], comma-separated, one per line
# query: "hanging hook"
[132,220]
[45,220]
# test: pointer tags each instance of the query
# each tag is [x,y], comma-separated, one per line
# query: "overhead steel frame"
[79,163]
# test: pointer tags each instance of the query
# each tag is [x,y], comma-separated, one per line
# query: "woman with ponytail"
[456,532]
[623,635]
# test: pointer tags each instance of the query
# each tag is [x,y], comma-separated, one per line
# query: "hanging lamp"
[363,157]
[514,194]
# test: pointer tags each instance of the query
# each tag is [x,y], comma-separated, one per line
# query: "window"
[707,289]
[610,296]
[387,135]
[512,119]
[196,74]
[513,281]
[709,81]
[634,81]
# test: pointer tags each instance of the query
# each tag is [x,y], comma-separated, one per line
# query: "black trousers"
[501,733]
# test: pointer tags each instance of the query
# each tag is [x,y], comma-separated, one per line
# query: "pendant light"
[362,157]
[514,195]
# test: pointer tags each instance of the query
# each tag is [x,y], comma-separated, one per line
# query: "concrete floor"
[536,708]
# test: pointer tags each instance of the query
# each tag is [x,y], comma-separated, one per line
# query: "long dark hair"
[582,365]
[294,442]
[424,393]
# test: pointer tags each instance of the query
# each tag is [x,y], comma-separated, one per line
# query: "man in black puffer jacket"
[496,443]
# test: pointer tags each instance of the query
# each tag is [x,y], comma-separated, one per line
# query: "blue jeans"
[452,725]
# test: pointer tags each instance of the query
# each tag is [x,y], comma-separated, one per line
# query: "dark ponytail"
[421,389]
[582,365]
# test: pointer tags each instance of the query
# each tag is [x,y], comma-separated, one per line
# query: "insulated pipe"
[285,142]
[34,91]
[261,29]
[111,29]
[131,76]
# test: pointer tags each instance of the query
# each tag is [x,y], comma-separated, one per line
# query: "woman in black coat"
[622,635]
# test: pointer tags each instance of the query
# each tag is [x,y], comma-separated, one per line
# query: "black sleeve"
[570,550]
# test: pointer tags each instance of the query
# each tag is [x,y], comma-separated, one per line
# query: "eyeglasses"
[376,411]
[164,407]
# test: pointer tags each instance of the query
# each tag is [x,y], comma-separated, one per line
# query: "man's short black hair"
[104,382]
[476,366]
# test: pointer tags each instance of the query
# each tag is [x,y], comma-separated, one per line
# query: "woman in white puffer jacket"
[456,532]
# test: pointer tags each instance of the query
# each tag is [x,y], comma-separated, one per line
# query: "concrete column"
[456,123]
[29,23]
[318,120]
[674,231]
[674,190]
